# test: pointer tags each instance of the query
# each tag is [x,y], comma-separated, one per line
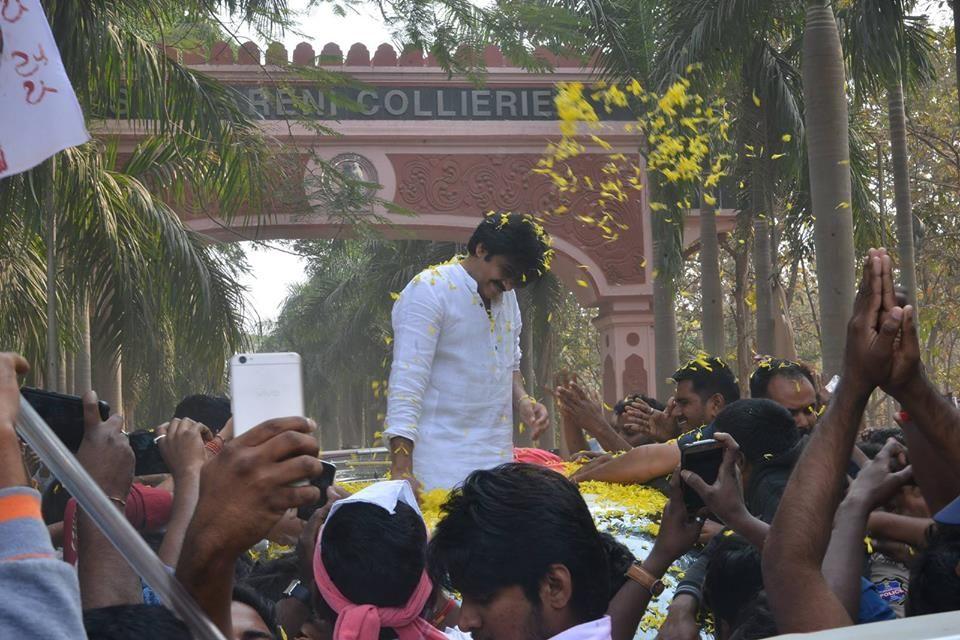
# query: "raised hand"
[723,498]
[874,327]
[882,477]
[181,444]
[639,417]
[246,489]
[105,451]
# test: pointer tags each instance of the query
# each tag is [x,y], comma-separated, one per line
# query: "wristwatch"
[645,579]
[296,590]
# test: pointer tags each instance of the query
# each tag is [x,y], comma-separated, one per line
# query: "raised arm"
[678,534]
[876,483]
[587,415]
[799,595]
[105,577]
[417,319]
[181,445]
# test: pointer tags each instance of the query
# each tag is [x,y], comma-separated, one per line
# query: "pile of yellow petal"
[630,499]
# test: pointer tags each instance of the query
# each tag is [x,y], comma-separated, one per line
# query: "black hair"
[653,403]
[505,526]
[762,428]
[271,577]
[212,411]
[872,440]
[709,375]
[141,621]
[756,620]
[518,237]
[733,578]
[374,557]
[266,609]
[935,576]
[619,559]
[769,368]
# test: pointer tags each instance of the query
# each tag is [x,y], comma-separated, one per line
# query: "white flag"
[39,112]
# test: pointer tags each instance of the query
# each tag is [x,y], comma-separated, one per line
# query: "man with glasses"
[455,383]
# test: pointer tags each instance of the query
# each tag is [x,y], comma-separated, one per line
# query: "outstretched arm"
[640,464]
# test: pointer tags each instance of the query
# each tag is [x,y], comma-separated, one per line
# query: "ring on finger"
[159,438]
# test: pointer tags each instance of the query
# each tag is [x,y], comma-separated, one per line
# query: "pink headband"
[363,621]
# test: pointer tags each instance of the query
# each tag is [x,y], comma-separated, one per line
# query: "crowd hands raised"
[810,524]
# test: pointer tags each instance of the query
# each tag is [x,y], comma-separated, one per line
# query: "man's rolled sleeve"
[417,318]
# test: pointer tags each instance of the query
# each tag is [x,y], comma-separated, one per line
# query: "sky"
[273,271]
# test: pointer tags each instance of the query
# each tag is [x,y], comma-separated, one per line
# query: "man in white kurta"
[455,379]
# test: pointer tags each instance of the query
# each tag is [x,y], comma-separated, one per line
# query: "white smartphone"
[264,386]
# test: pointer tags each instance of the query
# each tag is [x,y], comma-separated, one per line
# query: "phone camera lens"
[243,359]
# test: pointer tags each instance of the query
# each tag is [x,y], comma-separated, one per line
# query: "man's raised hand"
[874,327]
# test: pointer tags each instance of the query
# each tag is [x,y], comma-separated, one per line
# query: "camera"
[243,359]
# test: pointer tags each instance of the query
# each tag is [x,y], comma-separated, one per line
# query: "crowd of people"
[811,524]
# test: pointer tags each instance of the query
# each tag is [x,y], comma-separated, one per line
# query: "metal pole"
[114,525]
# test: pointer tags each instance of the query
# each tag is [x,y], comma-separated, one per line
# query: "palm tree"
[120,247]
[747,40]
[828,150]
[711,287]
[888,51]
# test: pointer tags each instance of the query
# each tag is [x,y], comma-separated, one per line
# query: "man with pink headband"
[360,590]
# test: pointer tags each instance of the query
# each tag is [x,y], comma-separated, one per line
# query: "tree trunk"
[53,341]
[763,273]
[901,190]
[741,266]
[666,355]
[82,381]
[108,378]
[711,289]
[829,160]
[956,46]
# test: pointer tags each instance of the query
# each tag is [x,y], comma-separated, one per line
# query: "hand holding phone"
[721,491]
[63,413]
[703,458]
[323,482]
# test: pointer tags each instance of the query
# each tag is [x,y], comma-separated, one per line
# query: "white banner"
[39,112]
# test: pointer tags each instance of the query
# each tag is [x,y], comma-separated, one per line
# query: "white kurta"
[451,381]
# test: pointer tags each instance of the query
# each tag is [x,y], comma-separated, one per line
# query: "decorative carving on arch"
[473,184]
[634,375]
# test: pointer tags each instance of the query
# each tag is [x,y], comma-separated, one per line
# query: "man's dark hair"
[762,428]
[212,411]
[374,557]
[733,578]
[619,559]
[141,621]
[653,403]
[518,237]
[756,620]
[872,440]
[506,526]
[770,368]
[709,375]
[935,576]
[266,609]
[271,577]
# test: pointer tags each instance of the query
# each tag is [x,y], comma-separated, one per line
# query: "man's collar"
[593,630]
